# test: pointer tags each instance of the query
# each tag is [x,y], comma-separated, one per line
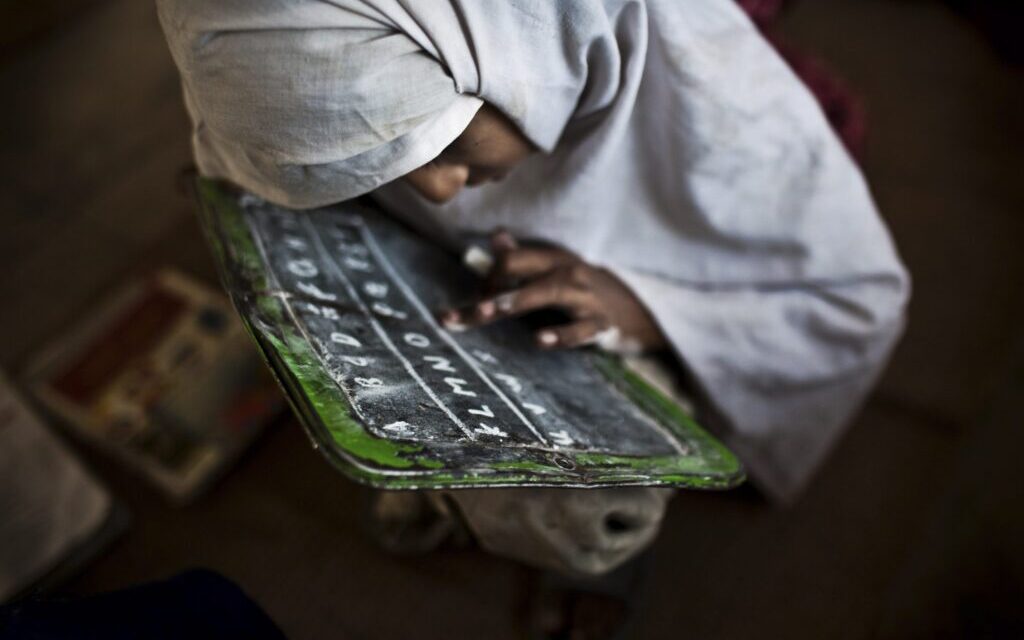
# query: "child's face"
[487,150]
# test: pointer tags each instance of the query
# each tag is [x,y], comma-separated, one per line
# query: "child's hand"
[603,310]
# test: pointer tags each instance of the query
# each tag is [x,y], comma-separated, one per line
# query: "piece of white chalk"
[505,302]
[478,260]
[612,341]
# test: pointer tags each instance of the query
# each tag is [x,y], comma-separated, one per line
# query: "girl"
[689,192]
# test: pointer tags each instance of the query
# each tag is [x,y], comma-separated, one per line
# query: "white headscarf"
[678,151]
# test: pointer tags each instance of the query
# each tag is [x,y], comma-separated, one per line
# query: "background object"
[162,376]
[195,604]
[54,515]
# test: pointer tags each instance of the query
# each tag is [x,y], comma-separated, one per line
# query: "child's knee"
[575,531]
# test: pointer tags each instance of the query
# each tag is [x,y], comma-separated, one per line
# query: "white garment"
[679,151]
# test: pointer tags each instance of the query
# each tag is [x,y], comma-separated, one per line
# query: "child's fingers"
[551,290]
[554,289]
[526,263]
[572,335]
[502,240]
[513,263]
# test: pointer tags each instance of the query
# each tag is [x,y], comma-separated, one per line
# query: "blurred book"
[54,515]
[163,376]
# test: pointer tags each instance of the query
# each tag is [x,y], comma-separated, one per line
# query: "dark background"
[914,525]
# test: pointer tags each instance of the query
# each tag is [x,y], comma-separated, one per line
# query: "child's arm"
[603,311]
[779,366]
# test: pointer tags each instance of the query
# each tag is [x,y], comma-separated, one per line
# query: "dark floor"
[94,133]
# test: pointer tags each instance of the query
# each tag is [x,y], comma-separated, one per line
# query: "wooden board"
[341,300]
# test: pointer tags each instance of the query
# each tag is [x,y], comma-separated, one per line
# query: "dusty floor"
[94,133]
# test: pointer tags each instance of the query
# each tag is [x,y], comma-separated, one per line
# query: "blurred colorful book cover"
[163,376]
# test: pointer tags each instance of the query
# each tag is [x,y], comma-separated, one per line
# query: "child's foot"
[578,615]
[602,607]
[413,522]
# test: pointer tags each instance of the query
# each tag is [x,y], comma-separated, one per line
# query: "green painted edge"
[221,214]
[328,418]
[726,470]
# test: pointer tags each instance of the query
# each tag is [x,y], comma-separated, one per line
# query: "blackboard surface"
[341,302]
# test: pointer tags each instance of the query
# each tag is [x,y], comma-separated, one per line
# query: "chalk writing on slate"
[342,300]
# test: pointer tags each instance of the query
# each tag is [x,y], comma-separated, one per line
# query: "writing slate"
[340,300]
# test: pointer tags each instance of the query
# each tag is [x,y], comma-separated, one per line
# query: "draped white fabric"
[678,150]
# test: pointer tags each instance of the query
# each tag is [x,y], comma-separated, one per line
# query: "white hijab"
[678,151]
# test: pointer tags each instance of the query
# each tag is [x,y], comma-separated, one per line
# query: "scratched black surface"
[364,291]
